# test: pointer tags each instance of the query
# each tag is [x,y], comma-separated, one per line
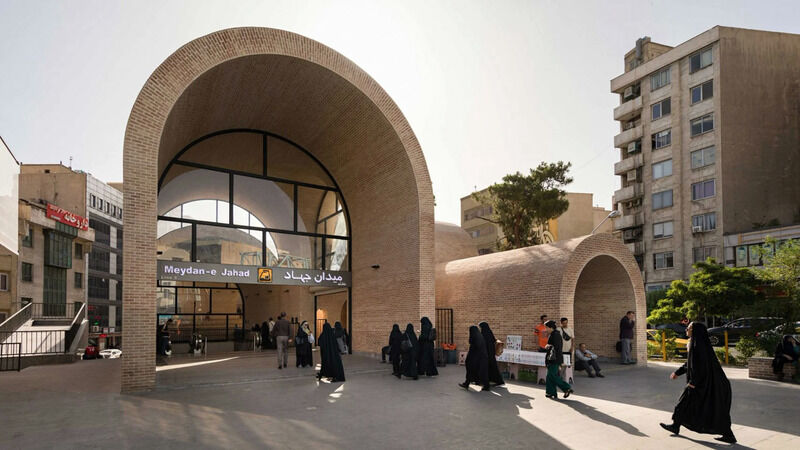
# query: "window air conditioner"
[628,94]
[634,146]
[95,328]
[697,229]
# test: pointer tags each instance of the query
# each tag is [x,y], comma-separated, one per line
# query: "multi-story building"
[101,280]
[709,146]
[579,220]
[9,226]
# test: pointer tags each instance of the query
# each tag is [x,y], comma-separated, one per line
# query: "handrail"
[74,327]
[17,319]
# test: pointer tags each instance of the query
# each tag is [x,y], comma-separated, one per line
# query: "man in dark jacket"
[626,337]
[281,332]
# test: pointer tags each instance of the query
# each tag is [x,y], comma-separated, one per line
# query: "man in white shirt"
[589,361]
[567,337]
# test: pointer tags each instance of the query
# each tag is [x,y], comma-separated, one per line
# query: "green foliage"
[713,290]
[522,205]
[653,297]
[767,342]
[781,273]
[720,352]
[747,347]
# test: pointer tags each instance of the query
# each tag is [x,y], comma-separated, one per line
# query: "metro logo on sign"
[66,217]
[264,275]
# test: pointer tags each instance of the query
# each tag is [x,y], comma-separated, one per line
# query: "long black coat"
[477,362]
[408,362]
[706,408]
[427,363]
[785,347]
[395,342]
[331,361]
[489,339]
[303,348]
[558,348]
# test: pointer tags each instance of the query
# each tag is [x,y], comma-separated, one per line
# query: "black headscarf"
[425,331]
[338,329]
[557,343]
[395,337]
[331,361]
[490,340]
[408,363]
[477,362]
[412,336]
[706,408]
[426,359]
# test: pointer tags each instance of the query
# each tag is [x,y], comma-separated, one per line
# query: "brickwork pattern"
[760,367]
[592,280]
[298,88]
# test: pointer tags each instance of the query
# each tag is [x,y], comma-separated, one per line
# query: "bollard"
[663,345]
[726,346]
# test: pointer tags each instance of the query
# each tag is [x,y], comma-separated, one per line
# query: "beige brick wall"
[759,367]
[284,83]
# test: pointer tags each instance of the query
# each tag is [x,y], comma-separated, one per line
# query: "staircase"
[41,334]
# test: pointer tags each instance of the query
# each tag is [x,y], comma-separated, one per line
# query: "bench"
[761,367]
[516,358]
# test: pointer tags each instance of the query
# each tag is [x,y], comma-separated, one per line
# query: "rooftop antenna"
[70,162]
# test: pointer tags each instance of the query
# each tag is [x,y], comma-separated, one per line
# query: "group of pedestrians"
[412,355]
[481,362]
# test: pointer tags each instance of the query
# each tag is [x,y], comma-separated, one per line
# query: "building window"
[659,79]
[703,189]
[119,238]
[92,201]
[702,124]
[119,295]
[3,282]
[704,222]
[662,169]
[78,251]
[108,207]
[99,260]
[481,211]
[78,280]
[660,109]
[702,91]
[27,240]
[98,287]
[662,199]
[119,264]
[703,157]
[119,213]
[27,271]
[700,254]
[700,60]
[102,231]
[662,260]
[662,230]
[662,139]
[100,204]
[57,249]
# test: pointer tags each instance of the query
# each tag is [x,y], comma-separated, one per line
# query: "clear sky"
[489,87]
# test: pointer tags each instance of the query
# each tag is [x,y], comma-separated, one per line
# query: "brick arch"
[287,84]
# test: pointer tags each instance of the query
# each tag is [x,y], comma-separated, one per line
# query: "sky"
[489,87]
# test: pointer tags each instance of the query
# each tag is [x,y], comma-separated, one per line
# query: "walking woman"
[410,350]
[331,362]
[341,337]
[490,340]
[427,363]
[395,344]
[705,405]
[477,362]
[302,343]
[553,360]
[265,338]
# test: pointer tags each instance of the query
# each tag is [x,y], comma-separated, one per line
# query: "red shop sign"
[67,218]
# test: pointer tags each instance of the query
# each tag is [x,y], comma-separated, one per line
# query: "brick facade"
[284,83]
[592,280]
[760,367]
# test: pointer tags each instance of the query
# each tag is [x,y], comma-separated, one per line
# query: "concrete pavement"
[245,402]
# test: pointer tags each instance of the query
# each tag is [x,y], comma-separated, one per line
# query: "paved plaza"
[243,401]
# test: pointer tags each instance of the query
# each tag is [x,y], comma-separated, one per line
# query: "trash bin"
[452,356]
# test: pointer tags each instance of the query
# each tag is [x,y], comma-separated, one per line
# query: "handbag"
[551,355]
[310,338]
[566,336]
[406,344]
[498,347]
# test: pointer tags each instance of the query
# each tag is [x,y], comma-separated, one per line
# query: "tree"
[713,290]
[522,205]
[781,274]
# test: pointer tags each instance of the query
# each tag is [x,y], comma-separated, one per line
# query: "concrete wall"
[61,186]
[760,115]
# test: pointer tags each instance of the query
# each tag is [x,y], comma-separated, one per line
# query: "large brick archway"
[284,83]
[592,280]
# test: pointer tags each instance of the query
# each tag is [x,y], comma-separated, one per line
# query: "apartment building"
[709,146]
[9,226]
[578,220]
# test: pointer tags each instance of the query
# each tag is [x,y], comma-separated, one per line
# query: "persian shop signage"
[234,273]
[67,218]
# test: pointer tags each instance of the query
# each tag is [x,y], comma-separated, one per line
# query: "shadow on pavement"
[594,414]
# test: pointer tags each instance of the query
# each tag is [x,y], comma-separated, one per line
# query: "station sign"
[66,217]
[234,273]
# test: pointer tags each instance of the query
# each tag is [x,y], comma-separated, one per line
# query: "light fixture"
[376,266]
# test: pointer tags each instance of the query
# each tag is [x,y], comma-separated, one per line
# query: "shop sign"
[66,217]
[234,273]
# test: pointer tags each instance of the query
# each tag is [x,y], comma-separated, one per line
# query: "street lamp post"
[611,215]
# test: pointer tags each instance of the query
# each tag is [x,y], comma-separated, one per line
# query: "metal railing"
[10,356]
[45,342]
[444,325]
[17,319]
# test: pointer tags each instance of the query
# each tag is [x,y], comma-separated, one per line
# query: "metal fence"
[45,342]
[444,325]
[10,356]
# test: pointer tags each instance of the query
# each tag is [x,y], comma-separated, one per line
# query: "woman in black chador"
[427,363]
[705,405]
[341,337]
[395,343]
[302,345]
[490,340]
[264,335]
[409,352]
[331,362]
[477,362]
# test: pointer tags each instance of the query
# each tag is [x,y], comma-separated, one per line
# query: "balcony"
[637,248]
[635,190]
[628,164]
[628,221]
[628,110]
[621,140]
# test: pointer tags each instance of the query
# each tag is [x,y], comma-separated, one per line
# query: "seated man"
[589,361]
